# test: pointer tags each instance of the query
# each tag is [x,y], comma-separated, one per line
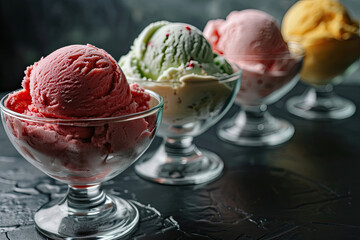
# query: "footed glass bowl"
[190,108]
[264,81]
[84,153]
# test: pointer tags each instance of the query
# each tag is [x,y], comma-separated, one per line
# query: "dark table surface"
[308,188]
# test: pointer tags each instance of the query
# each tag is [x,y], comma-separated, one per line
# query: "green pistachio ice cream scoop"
[166,51]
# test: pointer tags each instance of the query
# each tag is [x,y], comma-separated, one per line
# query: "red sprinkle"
[149,43]
[167,35]
[188,28]
[191,64]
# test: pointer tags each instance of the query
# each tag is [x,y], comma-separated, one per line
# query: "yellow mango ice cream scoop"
[328,34]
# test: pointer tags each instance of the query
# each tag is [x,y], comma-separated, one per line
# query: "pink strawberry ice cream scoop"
[77,81]
[252,39]
[72,83]
[247,32]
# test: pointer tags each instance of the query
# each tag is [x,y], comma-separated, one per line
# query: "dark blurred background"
[34,28]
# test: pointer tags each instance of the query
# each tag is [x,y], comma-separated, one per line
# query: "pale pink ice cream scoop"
[247,32]
[252,39]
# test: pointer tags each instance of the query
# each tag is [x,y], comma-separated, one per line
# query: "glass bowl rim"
[298,52]
[75,121]
[221,78]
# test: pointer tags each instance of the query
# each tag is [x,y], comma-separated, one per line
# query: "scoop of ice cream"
[77,81]
[247,32]
[329,35]
[249,38]
[317,20]
[166,51]
[253,40]
[170,45]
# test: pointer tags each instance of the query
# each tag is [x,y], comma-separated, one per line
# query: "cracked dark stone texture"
[306,189]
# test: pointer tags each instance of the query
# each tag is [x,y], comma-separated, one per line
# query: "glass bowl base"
[330,108]
[270,132]
[114,219]
[171,169]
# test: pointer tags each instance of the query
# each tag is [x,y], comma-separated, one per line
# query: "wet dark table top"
[308,188]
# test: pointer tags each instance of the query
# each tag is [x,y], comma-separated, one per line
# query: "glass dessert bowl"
[264,81]
[331,39]
[83,153]
[191,106]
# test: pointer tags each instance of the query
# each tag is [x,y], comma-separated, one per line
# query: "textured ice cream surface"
[252,39]
[78,82]
[176,61]
[165,51]
[317,20]
[74,81]
[328,34]
[247,32]
[159,57]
